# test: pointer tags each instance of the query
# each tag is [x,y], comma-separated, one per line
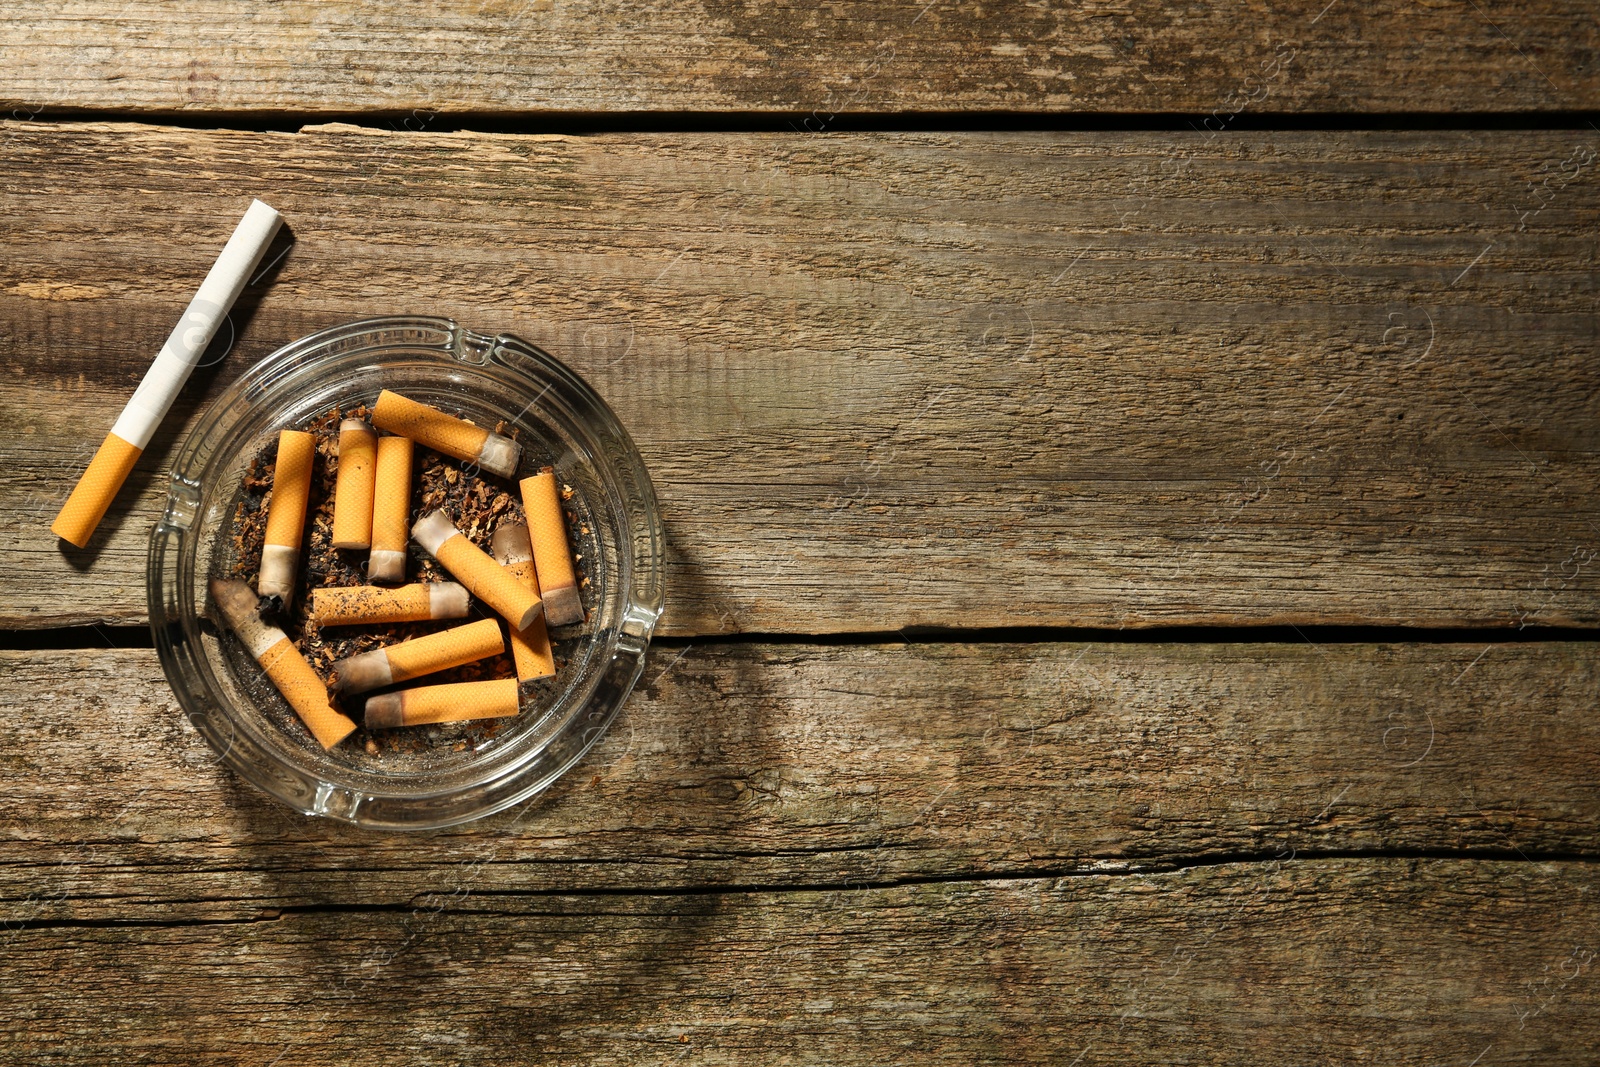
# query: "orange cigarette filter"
[391,510]
[548,528]
[530,648]
[286,518]
[90,498]
[475,569]
[419,656]
[284,664]
[370,604]
[443,703]
[353,492]
[445,433]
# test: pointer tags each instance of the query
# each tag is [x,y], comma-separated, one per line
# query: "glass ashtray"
[467,774]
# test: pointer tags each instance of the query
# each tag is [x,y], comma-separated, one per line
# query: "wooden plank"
[1399,961]
[536,57]
[906,380]
[820,765]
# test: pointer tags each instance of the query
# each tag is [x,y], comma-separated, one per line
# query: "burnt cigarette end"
[448,600]
[386,566]
[433,530]
[270,607]
[512,544]
[234,599]
[358,673]
[500,455]
[385,712]
[562,606]
[279,568]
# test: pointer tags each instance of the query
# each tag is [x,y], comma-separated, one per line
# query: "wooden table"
[1129,473]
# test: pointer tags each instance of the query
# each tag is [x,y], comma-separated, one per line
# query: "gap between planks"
[1111,869]
[754,122]
[92,637]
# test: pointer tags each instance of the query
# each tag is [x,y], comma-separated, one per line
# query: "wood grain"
[795,765]
[889,381]
[539,57]
[1394,961]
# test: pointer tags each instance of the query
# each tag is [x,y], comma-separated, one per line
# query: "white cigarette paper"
[179,356]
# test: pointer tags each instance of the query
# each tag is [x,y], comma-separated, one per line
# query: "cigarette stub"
[286,516]
[353,491]
[443,703]
[473,568]
[419,656]
[445,433]
[391,510]
[131,433]
[369,604]
[530,648]
[557,584]
[284,664]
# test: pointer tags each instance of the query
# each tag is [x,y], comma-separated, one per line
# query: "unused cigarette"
[530,648]
[475,569]
[391,510]
[419,656]
[284,664]
[446,433]
[353,491]
[131,433]
[368,604]
[443,703]
[551,555]
[286,517]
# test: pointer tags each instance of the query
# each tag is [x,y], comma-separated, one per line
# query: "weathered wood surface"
[540,57]
[1304,961]
[900,380]
[804,765]
[883,381]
